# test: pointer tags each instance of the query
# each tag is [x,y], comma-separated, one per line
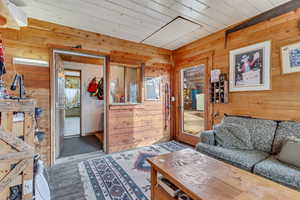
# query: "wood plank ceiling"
[136,20]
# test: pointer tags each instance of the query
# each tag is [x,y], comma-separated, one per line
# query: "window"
[152,88]
[125,84]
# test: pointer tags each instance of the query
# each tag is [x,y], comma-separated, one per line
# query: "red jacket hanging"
[2,65]
[93,86]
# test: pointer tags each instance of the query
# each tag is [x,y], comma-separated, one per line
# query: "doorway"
[72,122]
[194,110]
[193,96]
[79,104]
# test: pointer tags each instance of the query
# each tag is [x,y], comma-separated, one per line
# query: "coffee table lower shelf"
[161,194]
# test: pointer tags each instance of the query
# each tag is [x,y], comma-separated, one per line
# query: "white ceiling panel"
[277,2]
[136,20]
[173,31]
[187,38]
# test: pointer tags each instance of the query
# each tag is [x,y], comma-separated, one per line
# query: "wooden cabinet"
[16,147]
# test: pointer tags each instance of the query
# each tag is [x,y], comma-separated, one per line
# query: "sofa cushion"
[208,137]
[244,159]
[290,152]
[233,136]
[262,131]
[284,130]
[277,171]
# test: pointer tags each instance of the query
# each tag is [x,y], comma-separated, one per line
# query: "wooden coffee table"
[204,178]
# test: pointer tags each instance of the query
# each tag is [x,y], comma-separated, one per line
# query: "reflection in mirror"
[193,103]
[152,88]
[117,84]
[125,84]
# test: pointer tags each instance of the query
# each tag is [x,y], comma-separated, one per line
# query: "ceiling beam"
[277,11]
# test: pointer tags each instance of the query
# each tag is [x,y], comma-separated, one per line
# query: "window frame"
[140,77]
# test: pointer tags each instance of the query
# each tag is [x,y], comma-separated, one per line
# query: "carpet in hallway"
[80,145]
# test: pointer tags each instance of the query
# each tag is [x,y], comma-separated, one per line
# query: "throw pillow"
[290,152]
[233,136]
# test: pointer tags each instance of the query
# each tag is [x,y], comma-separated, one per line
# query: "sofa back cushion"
[262,131]
[233,136]
[284,130]
[290,152]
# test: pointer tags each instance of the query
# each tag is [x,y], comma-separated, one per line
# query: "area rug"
[122,176]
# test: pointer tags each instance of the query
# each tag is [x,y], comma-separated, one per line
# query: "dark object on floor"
[80,145]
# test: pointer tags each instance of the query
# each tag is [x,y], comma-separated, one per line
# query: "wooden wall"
[138,125]
[280,103]
[35,42]
[134,126]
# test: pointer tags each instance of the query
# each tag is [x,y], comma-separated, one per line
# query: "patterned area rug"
[122,176]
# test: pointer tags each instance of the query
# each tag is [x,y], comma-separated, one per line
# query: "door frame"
[75,52]
[207,60]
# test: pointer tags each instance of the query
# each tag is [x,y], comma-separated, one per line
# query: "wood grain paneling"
[39,37]
[143,124]
[280,103]
[133,126]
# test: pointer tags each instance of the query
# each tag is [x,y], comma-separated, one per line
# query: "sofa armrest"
[208,137]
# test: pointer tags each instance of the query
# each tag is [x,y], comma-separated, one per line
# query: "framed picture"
[290,58]
[152,88]
[250,68]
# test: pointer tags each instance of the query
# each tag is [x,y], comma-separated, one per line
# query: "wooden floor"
[65,181]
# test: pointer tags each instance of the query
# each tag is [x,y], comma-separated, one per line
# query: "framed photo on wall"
[250,68]
[290,58]
[152,88]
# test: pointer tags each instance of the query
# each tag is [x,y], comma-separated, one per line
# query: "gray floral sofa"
[266,138]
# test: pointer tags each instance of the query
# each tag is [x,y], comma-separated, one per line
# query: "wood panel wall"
[280,103]
[134,126]
[139,125]
[35,42]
